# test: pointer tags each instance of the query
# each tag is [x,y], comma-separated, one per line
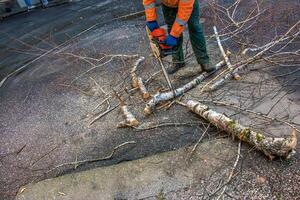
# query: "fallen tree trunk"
[270,146]
[160,97]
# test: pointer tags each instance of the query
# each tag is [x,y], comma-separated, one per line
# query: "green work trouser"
[195,31]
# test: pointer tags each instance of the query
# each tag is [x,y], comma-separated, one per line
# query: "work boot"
[207,67]
[175,68]
[8,10]
[188,72]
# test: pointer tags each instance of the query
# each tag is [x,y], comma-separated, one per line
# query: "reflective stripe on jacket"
[185,8]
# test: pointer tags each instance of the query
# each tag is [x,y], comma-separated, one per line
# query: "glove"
[152,25]
[170,41]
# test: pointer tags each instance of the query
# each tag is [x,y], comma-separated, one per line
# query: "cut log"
[134,77]
[161,97]
[270,146]
[129,118]
[143,89]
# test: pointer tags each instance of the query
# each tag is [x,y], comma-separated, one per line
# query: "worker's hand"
[170,41]
[152,25]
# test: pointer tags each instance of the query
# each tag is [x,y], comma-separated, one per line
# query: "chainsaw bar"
[158,54]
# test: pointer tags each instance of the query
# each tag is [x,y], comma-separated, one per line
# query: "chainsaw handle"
[169,51]
[162,44]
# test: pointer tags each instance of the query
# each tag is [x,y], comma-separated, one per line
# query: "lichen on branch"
[270,146]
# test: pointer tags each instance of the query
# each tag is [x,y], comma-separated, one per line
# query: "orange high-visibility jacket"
[185,8]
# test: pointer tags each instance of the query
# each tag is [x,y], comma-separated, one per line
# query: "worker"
[178,13]
[29,5]
[44,3]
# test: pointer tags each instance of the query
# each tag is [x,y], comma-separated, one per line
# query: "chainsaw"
[160,50]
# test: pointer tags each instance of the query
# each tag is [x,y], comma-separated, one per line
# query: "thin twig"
[200,139]
[78,163]
[166,125]
[232,171]
[41,157]
[104,113]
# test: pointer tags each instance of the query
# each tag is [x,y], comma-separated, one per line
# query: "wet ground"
[139,179]
[47,120]
[47,107]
